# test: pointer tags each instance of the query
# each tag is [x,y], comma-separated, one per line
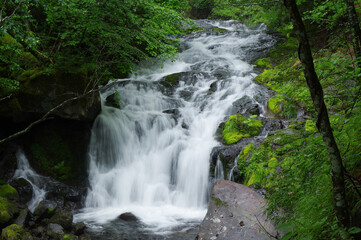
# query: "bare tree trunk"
[323,122]
[355,28]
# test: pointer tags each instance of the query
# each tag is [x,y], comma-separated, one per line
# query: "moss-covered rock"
[275,104]
[238,127]
[15,232]
[8,211]
[70,237]
[171,80]
[8,192]
[63,218]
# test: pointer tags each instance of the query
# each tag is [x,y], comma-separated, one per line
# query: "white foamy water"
[151,156]
[25,171]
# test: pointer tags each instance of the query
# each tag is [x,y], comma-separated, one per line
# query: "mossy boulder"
[8,192]
[15,232]
[238,127]
[45,209]
[275,104]
[8,211]
[171,80]
[63,218]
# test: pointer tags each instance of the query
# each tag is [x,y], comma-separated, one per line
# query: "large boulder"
[235,212]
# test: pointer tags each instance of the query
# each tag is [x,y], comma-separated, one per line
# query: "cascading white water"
[25,171]
[155,164]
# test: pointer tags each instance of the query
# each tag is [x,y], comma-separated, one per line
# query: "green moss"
[310,126]
[264,63]
[15,232]
[218,201]
[7,191]
[238,127]
[7,210]
[275,104]
[219,30]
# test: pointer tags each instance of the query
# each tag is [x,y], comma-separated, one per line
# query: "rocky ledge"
[235,212]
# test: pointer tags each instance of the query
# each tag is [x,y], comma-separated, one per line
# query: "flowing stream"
[150,156]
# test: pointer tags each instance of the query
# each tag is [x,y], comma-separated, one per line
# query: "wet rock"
[63,218]
[128,217]
[39,231]
[79,228]
[113,100]
[24,189]
[8,211]
[235,212]
[23,217]
[15,232]
[245,105]
[45,209]
[213,87]
[84,237]
[175,113]
[55,231]
[221,73]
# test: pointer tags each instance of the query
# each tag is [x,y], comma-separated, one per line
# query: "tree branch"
[46,116]
[247,4]
[4,98]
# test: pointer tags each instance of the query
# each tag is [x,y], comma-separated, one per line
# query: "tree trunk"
[355,28]
[323,123]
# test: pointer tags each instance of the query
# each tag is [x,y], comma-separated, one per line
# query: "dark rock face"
[58,149]
[245,105]
[235,212]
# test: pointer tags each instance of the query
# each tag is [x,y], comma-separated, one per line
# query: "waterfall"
[151,155]
[25,171]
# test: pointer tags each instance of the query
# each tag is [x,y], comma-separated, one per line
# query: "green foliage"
[113,36]
[238,127]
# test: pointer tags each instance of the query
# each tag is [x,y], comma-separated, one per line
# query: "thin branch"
[247,4]
[12,14]
[4,98]
[46,116]
[265,230]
